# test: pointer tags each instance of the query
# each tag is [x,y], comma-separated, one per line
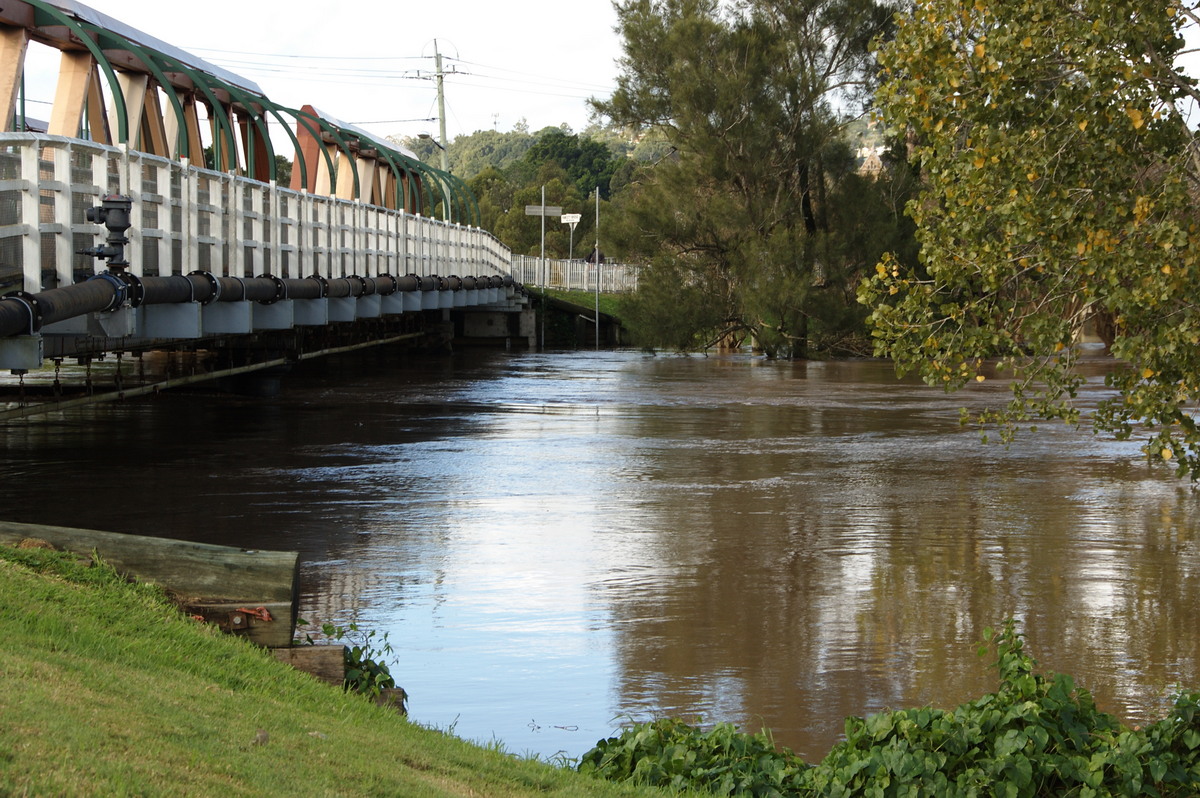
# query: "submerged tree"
[742,204]
[1060,184]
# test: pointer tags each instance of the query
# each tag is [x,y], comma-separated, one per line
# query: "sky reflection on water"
[559,542]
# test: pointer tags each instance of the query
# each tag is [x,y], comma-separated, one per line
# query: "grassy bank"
[106,689]
[611,304]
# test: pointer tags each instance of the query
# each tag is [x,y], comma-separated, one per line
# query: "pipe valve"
[113,213]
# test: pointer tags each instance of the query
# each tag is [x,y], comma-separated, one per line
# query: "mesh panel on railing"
[114,174]
[49,276]
[11,274]
[150,264]
[10,163]
[203,215]
[81,168]
[82,266]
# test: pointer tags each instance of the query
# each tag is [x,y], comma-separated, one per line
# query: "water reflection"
[554,541]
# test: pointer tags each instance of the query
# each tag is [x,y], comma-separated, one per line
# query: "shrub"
[670,753]
[1037,735]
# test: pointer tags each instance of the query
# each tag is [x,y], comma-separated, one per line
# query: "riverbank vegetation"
[736,163]
[759,220]
[107,689]
[1037,735]
[1059,182]
[615,305]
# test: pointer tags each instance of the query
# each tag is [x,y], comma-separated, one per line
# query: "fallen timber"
[251,593]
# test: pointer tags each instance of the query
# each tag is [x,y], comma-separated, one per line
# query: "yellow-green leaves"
[1059,145]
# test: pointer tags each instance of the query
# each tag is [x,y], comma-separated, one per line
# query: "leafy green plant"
[366,671]
[1037,735]
[671,753]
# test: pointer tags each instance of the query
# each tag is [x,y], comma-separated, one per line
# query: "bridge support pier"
[496,326]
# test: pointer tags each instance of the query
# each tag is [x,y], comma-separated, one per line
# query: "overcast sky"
[371,63]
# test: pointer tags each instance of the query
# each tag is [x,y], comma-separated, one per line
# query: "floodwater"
[559,543]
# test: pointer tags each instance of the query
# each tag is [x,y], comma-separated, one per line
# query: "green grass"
[106,689]
[609,303]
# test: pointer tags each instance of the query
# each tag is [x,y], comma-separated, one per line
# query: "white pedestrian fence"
[574,275]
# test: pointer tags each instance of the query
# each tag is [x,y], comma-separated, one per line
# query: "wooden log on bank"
[327,663]
[239,589]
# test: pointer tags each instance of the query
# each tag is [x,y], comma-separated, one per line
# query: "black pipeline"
[23,313]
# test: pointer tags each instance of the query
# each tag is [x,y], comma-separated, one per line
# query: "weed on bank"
[1037,735]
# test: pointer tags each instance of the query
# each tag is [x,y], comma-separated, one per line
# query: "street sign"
[543,210]
[571,218]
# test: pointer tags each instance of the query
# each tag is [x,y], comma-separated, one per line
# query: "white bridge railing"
[186,219]
[574,275]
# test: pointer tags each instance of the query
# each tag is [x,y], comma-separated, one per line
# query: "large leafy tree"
[744,94]
[1060,182]
[589,163]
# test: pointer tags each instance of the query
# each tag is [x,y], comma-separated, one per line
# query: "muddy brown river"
[559,543]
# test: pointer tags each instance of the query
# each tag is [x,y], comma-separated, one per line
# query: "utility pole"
[441,92]
[597,268]
[543,215]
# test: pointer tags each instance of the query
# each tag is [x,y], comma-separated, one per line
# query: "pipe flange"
[120,289]
[213,283]
[137,291]
[321,281]
[32,306]
[395,284]
[280,289]
[362,285]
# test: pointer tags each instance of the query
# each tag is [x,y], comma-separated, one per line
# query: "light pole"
[438,144]
[597,268]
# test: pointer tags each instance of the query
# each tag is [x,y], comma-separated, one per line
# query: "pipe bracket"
[321,281]
[213,283]
[32,307]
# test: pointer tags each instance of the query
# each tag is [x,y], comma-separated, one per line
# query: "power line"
[555,86]
[581,84]
[574,96]
[396,121]
[314,57]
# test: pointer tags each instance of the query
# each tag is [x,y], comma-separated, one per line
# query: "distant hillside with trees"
[506,171]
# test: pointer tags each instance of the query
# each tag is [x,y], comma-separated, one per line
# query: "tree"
[470,155]
[283,170]
[495,196]
[522,233]
[743,93]
[1059,187]
[588,163]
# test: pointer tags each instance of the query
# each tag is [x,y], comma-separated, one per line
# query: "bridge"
[204,255]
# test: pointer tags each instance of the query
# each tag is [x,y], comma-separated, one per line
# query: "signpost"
[571,219]
[543,211]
